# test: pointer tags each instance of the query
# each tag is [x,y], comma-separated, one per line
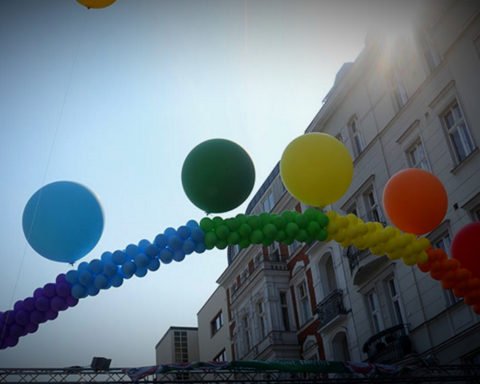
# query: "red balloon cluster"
[452,275]
[466,247]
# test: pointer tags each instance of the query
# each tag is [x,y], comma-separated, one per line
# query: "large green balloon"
[218,175]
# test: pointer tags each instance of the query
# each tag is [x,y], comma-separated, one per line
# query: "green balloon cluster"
[265,228]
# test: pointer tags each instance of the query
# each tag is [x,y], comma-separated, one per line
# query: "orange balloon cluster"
[453,276]
[415,200]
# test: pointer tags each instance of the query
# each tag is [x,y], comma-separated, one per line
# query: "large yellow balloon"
[317,169]
[96,3]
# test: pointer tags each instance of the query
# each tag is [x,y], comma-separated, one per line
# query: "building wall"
[320,301]
[438,325]
[171,347]
[213,333]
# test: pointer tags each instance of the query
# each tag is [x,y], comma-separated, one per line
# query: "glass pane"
[449,120]
[398,312]
[457,113]
[393,291]
[458,145]
[466,138]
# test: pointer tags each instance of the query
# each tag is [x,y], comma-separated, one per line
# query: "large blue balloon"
[63,221]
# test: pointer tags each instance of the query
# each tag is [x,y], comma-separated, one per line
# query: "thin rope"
[47,167]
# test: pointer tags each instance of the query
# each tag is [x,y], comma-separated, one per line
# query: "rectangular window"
[216,323]
[292,248]
[416,156]
[246,334]
[268,203]
[399,93]
[372,208]
[395,303]
[222,356]
[273,252]
[444,242]
[303,304]
[181,346]
[284,309]
[458,132]
[358,143]
[262,326]
[374,308]
[476,213]
[432,58]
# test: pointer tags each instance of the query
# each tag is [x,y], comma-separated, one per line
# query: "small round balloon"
[415,200]
[218,175]
[466,248]
[316,169]
[63,221]
[96,3]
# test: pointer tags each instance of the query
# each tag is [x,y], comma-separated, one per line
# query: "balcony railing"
[389,345]
[331,307]
[355,256]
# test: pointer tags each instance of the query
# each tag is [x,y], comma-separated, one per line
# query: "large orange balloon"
[96,3]
[415,200]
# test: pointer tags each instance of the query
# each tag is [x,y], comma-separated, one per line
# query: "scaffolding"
[243,375]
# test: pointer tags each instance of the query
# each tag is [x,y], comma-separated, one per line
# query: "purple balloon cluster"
[98,274]
[28,313]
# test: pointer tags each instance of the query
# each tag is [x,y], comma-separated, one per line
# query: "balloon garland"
[110,271]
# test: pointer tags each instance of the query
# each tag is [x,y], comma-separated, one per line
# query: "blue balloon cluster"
[136,260]
[27,314]
[89,278]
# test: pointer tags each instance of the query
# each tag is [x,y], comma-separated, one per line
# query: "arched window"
[340,347]
[327,275]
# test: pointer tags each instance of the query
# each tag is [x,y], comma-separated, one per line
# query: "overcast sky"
[115,99]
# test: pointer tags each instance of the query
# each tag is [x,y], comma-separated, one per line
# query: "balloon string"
[47,166]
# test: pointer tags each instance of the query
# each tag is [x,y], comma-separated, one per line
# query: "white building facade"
[409,100]
[213,332]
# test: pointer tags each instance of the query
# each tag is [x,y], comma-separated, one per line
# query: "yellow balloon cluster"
[96,3]
[351,230]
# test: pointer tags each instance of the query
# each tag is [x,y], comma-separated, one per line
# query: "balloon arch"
[63,221]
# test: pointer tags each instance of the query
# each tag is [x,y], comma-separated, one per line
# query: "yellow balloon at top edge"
[316,168]
[96,3]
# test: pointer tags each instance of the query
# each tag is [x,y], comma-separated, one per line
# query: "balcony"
[331,307]
[273,343]
[388,346]
[355,256]
[363,263]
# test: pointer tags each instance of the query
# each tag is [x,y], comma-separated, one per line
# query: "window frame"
[221,356]
[216,323]
[284,310]
[376,317]
[303,301]
[442,238]
[399,92]
[356,137]
[395,301]
[262,318]
[457,121]
[411,161]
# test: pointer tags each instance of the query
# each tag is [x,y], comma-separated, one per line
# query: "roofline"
[175,328]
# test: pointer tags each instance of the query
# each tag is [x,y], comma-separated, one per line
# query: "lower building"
[178,345]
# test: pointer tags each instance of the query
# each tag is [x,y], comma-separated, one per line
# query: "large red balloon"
[466,248]
[415,200]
